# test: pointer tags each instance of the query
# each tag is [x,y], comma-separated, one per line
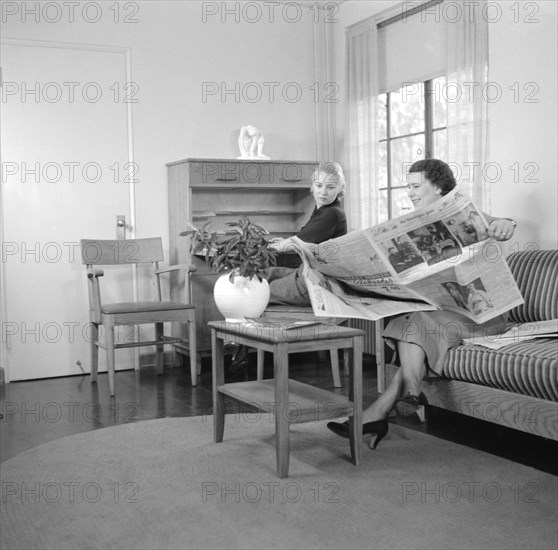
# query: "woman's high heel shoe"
[379,427]
[414,400]
[411,404]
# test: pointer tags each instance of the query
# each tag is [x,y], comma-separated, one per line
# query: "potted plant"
[243,257]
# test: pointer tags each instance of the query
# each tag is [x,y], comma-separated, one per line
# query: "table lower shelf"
[306,403]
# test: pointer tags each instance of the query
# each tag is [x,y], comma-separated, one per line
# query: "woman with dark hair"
[422,339]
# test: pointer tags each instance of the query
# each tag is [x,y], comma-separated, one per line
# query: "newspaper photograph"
[436,257]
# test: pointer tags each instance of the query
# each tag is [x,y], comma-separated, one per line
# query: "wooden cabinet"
[273,194]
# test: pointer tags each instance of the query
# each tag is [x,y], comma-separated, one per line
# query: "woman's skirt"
[436,332]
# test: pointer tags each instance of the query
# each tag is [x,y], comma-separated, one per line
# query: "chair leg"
[335,367]
[193,352]
[110,356]
[159,330]
[260,368]
[94,352]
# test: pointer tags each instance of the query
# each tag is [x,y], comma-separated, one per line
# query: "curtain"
[362,86]
[467,108]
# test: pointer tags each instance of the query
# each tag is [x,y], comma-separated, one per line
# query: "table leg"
[282,436]
[355,395]
[218,373]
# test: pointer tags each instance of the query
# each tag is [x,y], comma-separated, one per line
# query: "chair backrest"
[96,252]
[536,274]
[126,251]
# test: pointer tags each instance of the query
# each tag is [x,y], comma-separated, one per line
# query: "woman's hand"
[501,229]
[283,245]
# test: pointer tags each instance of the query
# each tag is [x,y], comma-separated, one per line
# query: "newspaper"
[517,332]
[436,257]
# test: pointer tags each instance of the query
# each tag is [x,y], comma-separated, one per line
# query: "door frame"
[127,55]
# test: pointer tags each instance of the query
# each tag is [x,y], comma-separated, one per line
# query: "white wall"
[522,50]
[173,53]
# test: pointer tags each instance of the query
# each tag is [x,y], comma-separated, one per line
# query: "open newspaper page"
[517,332]
[437,257]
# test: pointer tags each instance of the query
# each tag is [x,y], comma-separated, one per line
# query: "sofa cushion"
[536,274]
[528,368]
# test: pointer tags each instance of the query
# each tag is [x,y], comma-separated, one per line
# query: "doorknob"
[120,227]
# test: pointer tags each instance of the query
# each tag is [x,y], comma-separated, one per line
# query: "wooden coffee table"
[277,395]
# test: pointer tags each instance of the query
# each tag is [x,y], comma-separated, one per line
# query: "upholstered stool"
[312,404]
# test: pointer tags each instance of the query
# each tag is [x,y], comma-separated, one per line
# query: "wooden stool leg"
[160,348]
[282,436]
[110,356]
[193,352]
[94,352]
[355,395]
[335,367]
[261,357]
[218,372]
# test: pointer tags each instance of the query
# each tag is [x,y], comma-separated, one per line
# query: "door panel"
[64,154]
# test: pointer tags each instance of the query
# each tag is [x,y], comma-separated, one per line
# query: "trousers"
[287,286]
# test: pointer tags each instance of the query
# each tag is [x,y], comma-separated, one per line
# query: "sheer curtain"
[362,85]
[467,108]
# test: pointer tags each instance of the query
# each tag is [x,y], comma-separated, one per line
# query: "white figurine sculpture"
[250,143]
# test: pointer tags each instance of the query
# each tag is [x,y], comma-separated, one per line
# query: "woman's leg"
[407,379]
[413,366]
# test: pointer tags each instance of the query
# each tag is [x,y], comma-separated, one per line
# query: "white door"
[65,177]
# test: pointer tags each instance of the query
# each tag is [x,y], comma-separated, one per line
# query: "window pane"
[407,110]
[382,116]
[382,207]
[404,152]
[382,164]
[401,203]
[439,105]
[440,144]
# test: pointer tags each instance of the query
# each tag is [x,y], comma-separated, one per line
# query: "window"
[412,126]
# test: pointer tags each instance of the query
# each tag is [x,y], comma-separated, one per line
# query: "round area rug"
[165,484]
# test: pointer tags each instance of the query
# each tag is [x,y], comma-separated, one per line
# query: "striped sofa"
[517,385]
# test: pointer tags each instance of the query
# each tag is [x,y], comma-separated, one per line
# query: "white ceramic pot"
[243,298]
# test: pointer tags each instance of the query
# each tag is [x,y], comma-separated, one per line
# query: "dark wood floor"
[35,412]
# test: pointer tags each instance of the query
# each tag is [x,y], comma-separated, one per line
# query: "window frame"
[428,132]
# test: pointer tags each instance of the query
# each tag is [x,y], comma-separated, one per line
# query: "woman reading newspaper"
[422,339]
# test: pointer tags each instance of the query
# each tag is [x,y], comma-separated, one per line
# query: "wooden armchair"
[108,315]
